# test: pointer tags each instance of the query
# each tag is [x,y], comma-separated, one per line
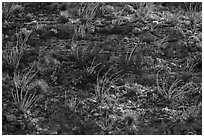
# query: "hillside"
[102,68]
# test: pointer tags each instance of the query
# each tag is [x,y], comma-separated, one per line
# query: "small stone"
[139,24]
[147,37]
[30,125]
[137,31]
[11,117]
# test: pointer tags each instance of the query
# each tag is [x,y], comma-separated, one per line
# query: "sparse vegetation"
[102,68]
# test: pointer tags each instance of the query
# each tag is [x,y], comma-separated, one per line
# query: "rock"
[174,35]
[43,33]
[61,31]
[30,125]
[11,117]
[108,9]
[16,9]
[197,79]
[129,8]
[58,121]
[64,14]
[63,18]
[139,24]
[153,17]
[4,119]
[122,29]
[147,37]
[137,31]
[30,55]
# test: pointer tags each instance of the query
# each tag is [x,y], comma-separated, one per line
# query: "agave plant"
[22,94]
[88,10]
[71,103]
[107,123]
[129,54]
[193,6]
[104,84]
[91,69]
[174,92]
[12,55]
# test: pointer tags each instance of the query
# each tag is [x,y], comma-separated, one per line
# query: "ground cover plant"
[103,68]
